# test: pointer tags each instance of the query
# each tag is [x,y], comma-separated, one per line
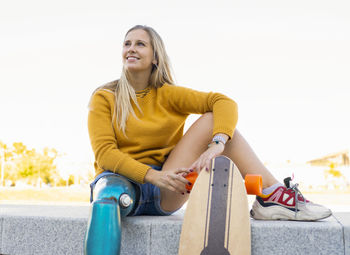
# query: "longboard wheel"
[253,184]
[191,177]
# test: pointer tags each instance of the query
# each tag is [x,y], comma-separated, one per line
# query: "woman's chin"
[134,69]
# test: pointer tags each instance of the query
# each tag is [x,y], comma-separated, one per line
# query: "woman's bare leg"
[195,142]
[191,146]
[246,160]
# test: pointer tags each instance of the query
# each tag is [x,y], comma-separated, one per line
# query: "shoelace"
[297,192]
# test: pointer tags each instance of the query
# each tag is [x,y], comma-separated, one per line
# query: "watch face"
[219,139]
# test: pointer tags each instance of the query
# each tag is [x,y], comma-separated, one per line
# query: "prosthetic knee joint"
[114,197]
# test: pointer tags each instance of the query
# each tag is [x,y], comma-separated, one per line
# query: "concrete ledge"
[34,229]
[285,237]
[344,219]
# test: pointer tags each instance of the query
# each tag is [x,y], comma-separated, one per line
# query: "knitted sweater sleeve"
[104,141]
[189,101]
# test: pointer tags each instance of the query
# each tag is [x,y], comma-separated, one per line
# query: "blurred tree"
[29,165]
[37,167]
[5,156]
[67,182]
[19,148]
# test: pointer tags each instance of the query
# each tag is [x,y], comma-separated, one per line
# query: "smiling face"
[138,52]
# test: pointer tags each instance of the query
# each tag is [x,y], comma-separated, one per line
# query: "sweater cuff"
[224,130]
[134,170]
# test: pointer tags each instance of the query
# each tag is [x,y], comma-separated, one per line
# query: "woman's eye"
[126,43]
[141,44]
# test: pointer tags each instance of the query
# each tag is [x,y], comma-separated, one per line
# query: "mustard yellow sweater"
[159,127]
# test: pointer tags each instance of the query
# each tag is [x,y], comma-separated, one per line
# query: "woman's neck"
[139,81]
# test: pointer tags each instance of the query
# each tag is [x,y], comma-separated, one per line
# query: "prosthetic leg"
[114,197]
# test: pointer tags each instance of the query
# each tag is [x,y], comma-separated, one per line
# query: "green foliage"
[21,163]
[6,152]
[68,182]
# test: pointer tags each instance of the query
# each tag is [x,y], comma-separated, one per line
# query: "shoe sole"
[277,212]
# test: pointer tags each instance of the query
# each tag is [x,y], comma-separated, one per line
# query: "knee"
[116,188]
[112,187]
[203,125]
[207,120]
[208,116]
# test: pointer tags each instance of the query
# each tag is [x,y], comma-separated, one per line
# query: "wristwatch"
[218,139]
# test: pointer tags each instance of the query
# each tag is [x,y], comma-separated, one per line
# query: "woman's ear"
[154,62]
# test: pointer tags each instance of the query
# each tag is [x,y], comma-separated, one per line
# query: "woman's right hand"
[173,180]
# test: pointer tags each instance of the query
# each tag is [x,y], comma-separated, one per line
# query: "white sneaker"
[287,203]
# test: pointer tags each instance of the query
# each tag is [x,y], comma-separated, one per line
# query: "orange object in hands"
[191,177]
[253,184]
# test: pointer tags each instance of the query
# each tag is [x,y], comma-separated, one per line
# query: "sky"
[286,64]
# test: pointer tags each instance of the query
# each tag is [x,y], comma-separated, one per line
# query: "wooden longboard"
[217,216]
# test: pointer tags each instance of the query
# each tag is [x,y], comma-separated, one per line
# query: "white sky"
[286,63]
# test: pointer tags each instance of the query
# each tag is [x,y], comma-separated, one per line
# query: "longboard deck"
[217,216]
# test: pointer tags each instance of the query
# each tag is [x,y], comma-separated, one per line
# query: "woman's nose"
[131,48]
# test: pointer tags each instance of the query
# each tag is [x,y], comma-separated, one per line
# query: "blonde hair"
[125,93]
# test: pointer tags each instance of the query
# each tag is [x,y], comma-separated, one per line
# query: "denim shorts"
[149,196]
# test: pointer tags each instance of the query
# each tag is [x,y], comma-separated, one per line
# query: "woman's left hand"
[204,160]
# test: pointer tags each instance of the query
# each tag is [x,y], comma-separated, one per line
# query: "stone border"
[34,229]
[344,219]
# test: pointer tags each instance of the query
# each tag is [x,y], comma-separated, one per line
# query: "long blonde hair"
[125,93]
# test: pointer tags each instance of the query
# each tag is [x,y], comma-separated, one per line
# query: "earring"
[154,66]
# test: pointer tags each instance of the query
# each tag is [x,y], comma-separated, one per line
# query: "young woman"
[136,129]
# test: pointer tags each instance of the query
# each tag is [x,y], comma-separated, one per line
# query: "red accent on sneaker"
[283,196]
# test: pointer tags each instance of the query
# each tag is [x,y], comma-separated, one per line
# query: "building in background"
[340,159]
[336,169]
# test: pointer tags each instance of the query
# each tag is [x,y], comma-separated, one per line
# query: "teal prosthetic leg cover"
[114,197]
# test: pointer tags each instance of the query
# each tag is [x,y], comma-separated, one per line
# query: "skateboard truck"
[114,198]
